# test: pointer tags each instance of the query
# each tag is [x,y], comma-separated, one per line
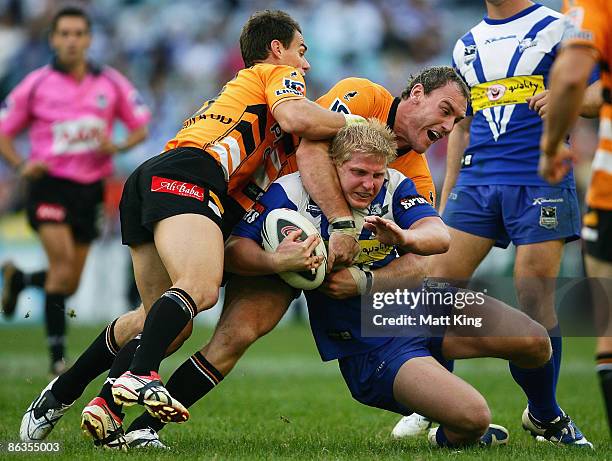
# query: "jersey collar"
[518,15]
[92,67]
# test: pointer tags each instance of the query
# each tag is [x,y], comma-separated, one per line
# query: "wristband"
[363,278]
[344,225]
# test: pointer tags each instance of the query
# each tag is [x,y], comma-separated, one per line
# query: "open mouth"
[434,135]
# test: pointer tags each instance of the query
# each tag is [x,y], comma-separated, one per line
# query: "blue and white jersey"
[504,62]
[336,324]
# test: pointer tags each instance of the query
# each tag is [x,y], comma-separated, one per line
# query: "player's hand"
[34,169]
[107,147]
[539,103]
[293,256]
[386,231]
[554,168]
[339,285]
[342,249]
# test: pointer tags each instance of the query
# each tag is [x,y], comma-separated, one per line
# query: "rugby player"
[399,374]
[586,42]
[70,107]
[225,156]
[492,194]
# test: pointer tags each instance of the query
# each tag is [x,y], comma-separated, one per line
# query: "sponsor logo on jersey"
[292,87]
[254,213]
[497,39]
[77,136]
[412,201]
[469,54]
[573,25]
[495,92]
[377,209]
[527,43]
[313,209]
[50,212]
[542,200]
[511,90]
[548,217]
[350,95]
[172,186]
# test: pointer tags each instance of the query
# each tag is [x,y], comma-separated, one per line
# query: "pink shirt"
[67,118]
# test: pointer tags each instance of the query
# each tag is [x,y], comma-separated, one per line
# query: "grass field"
[281,402]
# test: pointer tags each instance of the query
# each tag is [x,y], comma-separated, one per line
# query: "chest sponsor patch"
[511,90]
[173,186]
[77,136]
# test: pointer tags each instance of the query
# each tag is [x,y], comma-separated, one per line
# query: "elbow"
[295,123]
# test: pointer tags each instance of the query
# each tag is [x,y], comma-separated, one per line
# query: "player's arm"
[245,256]
[427,236]
[406,271]
[307,119]
[458,141]
[591,103]
[568,82]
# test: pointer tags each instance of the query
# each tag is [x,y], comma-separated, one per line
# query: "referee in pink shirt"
[69,107]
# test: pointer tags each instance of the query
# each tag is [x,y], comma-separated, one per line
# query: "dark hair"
[436,77]
[70,11]
[263,27]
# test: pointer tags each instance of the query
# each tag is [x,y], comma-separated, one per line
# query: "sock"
[96,359]
[539,386]
[556,341]
[120,365]
[36,279]
[55,321]
[604,371]
[166,319]
[441,439]
[195,378]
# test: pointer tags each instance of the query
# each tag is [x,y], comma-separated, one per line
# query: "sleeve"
[350,96]
[283,83]
[409,206]
[130,109]
[15,109]
[586,23]
[252,222]
[457,52]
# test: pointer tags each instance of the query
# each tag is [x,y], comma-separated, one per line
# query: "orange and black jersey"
[238,130]
[589,23]
[363,97]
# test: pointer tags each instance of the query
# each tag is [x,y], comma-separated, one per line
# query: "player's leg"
[252,307]
[600,276]
[60,248]
[465,254]
[194,262]
[13,282]
[425,386]
[510,334]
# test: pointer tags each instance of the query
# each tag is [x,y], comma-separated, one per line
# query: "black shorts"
[57,200]
[185,180]
[597,233]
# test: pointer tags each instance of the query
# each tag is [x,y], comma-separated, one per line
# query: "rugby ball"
[280,223]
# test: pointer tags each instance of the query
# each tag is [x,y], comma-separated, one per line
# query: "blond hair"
[372,138]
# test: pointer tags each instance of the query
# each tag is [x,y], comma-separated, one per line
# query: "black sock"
[604,371]
[36,279]
[195,378]
[166,319]
[120,365]
[55,321]
[96,359]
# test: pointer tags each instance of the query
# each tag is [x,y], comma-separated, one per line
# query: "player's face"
[361,179]
[295,55]
[71,39]
[423,119]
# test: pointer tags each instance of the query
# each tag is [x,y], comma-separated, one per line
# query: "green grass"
[282,402]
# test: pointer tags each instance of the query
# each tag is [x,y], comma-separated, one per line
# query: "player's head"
[70,35]
[431,104]
[274,37]
[361,154]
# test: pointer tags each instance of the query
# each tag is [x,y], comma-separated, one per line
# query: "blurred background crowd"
[179,53]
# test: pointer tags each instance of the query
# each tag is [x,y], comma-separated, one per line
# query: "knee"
[475,419]
[536,347]
[204,297]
